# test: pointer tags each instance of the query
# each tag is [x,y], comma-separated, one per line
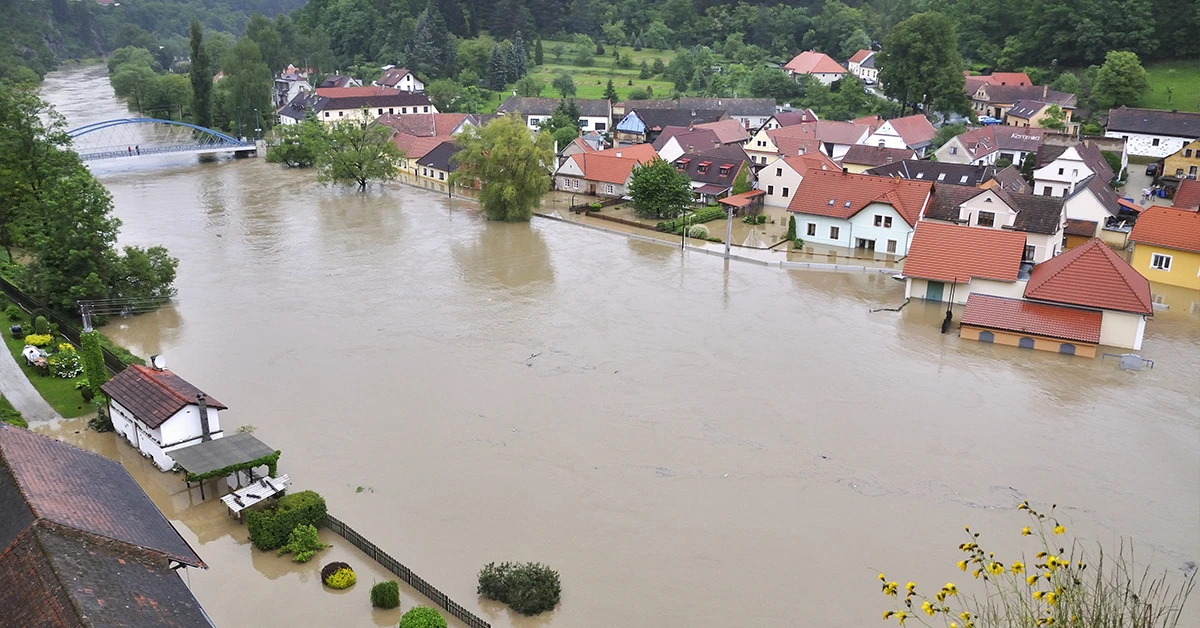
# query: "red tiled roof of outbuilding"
[1028,317]
[1090,275]
[153,395]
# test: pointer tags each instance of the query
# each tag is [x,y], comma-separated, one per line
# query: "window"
[1074,172]
[881,143]
[391,110]
[831,201]
[785,192]
[441,176]
[779,172]
[1030,252]
[341,113]
[834,232]
[724,171]
[608,189]
[1046,191]
[1187,153]
[887,222]
[771,190]
[953,150]
[702,167]
[426,109]
[576,184]
[812,229]
[381,111]
[326,114]
[891,246]
[942,177]
[600,126]
[986,219]
[404,110]
[1060,171]
[1154,142]
[878,220]
[1158,261]
[963,181]
[583,123]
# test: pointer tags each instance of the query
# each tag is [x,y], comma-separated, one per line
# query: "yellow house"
[1030,113]
[1184,163]
[1167,246]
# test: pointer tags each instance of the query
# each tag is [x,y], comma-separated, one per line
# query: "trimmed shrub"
[41,325]
[422,617]
[698,231]
[675,225]
[10,415]
[761,220]
[594,207]
[385,594]
[270,527]
[14,313]
[303,543]
[38,340]
[791,232]
[338,575]
[528,588]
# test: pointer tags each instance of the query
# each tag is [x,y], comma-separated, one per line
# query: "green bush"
[14,313]
[791,232]
[748,219]
[798,243]
[124,355]
[594,207]
[385,594]
[38,340]
[41,326]
[303,543]
[675,225]
[528,588]
[65,364]
[761,220]
[422,617]
[342,578]
[270,527]
[698,231]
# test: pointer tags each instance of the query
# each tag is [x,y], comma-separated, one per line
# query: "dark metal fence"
[65,328]
[405,574]
[605,203]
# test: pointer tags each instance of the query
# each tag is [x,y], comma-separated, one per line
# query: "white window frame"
[1160,261]
[609,189]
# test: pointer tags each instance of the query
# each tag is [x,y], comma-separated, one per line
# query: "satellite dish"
[159,362]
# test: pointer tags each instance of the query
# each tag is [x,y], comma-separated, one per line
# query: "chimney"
[203,403]
[1045,90]
[845,171]
[691,149]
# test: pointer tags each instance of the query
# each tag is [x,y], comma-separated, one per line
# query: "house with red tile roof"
[949,263]
[857,211]
[1187,196]
[781,178]
[1093,277]
[1166,246]
[833,138]
[912,132]
[158,411]
[815,64]
[1030,325]
[985,145]
[1038,218]
[729,131]
[862,65]
[603,172]
[81,544]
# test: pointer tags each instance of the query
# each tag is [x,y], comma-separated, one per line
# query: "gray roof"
[1026,108]
[935,171]
[732,156]
[663,118]
[1090,153]
[1155,122]
[590,107]
[220,453]
[1010,180]
[441,156]
[1101,190]
[735,106]
[1016,93]
[863,155]
[1035,214]
[868,63]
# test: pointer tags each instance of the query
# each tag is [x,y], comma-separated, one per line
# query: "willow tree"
[510,166]
[357,152]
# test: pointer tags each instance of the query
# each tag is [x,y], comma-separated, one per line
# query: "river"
[689,442]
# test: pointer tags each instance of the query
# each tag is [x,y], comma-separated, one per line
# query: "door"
[933,292]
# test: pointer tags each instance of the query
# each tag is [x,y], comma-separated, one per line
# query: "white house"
[859,211]
[816,64]
[1039,219]
[1059,177]
[336,104]
[862,65]
[781,178]
[595,114]
[985,145]
[949,263]
[912,132]
[158,412]
[400,78]
[1153,132]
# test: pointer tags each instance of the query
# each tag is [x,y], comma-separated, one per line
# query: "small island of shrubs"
[528,588]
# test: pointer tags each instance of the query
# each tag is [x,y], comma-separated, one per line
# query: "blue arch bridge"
[137,137]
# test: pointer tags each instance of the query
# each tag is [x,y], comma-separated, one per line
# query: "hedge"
[422,617]
[270,528]
[675,225]
[528,588]
[385,594]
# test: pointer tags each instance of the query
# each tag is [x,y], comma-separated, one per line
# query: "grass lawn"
[58,392]
[1183,77]
[9,414]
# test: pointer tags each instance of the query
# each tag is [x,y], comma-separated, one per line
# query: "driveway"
[1138,180]
[23,396]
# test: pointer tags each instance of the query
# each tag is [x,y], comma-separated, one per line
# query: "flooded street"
[688,442]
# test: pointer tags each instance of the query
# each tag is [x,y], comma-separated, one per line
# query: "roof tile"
[1090,275]
[957,253]
[1021,316]
[1168,227]
[153,395]
[811,62]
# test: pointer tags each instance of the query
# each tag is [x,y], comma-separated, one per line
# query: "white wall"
[863,226]
[1122,329]
[1085,206]
[1142,144]
[916,288]
[671,151]
[184,426]
[1045,245]
[594,123]
[826,78]
[887,135]
[333,116]
[774,184]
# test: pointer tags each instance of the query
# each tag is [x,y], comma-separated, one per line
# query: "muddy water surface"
[687,442]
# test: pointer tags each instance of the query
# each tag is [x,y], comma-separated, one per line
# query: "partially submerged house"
[713,173]
[780,178]
[157,411]
[949,263]
[1030,325]
[857,211]
[82,545]
[1166,246]
[336,104]
[1038,219]
[604,172]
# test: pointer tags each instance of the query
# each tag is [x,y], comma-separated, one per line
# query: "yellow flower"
[1040,554]
[889,588]
[1051,597]
[965,616]
[953,624]
[910,586]
[901,615]
[1037,595]
[950,589]
[1059,529]
[881,578]
[1031,579]
[976,574]
[995,569]
[1018,566]
[888,614]
[1025,531]
[962,565]
[928,608]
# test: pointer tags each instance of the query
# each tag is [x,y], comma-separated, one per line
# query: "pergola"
[224,456]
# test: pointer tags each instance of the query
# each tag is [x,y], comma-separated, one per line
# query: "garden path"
[21,393]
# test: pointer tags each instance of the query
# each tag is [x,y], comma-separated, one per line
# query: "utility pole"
[728,229]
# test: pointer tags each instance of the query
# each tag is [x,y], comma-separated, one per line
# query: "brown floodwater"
[687,441]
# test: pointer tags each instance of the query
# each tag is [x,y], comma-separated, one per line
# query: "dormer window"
[725,168]
[920,175]
[703,166]
[963,179]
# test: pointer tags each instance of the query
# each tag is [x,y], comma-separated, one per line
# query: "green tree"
[92,358]
[538,55]
[431,51]
[147,275]
[643,71]
[168,94]
[658,67]
[1067,82]
[837,23]
[244,94]
[132,81]
[509,164]
[297,145]
[610,92]
[445,94]
[352,26]
[262,31]
[563,123]
[517,58]
[358,152]
[741,183]
[1121,81]
[422,617]
[659,190]
[564,84]
[131,55]
[920,64]
[1054,118]
[946,133]
[791,230]
[201,76]
[530,87]
[497,70]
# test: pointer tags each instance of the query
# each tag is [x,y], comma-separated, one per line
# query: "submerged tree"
[358,152]
[510,166]
[298,145]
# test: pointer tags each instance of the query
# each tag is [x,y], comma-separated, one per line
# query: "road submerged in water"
[687,441]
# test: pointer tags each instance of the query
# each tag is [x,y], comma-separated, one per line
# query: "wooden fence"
[406,575]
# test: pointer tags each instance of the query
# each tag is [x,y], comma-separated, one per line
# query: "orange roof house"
[1091,276]
[1025,324]
[970,259]
[1188,195]
[858,211]
[1166,246]
[603,172]
[816,64]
